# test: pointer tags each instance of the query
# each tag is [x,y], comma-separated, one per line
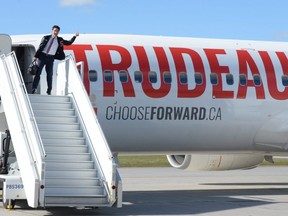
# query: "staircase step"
[63,141]
[69,157]
[74,191]
[54,113]
[59,126]
[71,173]
[48,99]
[66,149]
[76,181]
[98,200]
[66,165]
[62,134]
[56,105]
[59,119]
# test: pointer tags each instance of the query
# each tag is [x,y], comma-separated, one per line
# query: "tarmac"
[167,191]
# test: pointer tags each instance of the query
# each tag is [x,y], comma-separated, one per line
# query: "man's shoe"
[48,93]
[33,91]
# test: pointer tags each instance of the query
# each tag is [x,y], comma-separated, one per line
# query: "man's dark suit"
[48,60]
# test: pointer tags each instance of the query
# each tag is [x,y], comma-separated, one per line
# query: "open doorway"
[25,54]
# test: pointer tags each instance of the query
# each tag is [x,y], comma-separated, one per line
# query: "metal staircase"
[71,174]
[62,142]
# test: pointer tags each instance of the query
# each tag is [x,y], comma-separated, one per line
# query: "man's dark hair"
[56,26]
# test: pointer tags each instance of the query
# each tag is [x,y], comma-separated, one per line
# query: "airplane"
[208,104]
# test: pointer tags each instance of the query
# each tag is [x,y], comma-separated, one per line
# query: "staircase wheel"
[8,203]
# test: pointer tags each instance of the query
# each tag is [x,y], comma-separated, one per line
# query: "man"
[50,48]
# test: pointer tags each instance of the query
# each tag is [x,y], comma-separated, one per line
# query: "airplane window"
[229,79]
[183,77]
[214,79]
[138,76]
[285,80]
[152,77]
[108,76]
[92,75]
[198,78]
[123,76]
[243,80]
[167,77]
[257,80]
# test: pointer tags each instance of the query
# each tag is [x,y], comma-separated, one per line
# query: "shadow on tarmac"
[171,202]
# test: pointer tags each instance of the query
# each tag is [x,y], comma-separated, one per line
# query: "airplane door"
[5,47]
[5,44]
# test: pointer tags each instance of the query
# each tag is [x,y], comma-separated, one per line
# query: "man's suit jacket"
[60,55]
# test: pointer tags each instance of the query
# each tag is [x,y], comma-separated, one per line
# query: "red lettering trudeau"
[271,76]
[215,67]
[183,91]
[245,60]
[144,67]
[107,64]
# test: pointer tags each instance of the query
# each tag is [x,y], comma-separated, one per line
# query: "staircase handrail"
[29,127]
[75,87]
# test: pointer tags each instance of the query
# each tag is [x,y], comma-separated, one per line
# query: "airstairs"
[61,151]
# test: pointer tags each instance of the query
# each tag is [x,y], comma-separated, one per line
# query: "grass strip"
[161,161]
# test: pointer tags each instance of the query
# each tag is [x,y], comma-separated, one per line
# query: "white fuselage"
[169,111]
